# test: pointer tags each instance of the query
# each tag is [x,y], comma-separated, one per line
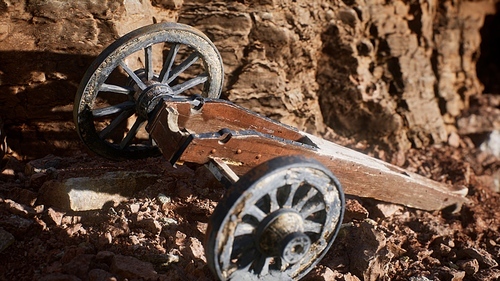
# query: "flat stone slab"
[92,193]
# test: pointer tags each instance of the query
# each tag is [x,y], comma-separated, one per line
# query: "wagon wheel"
[128,78]
[277,221]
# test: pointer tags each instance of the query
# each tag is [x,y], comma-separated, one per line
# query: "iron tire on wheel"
[142,82]
[276,222]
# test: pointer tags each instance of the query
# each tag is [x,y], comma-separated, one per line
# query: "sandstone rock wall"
[396,72]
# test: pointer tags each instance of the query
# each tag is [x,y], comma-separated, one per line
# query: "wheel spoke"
[256,212]
[310,226]
[132,75]
[243,228]
[115,123]
[148,55]
[274,200]
[289,200]
[183,66]
[311,209]
[115,89]
[302,201]
[179,88]
[167,66]
[110,110]
[131,134]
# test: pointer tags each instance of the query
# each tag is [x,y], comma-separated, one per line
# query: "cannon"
[156,91]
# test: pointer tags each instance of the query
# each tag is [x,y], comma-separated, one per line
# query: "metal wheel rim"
[113,57]
[227,223]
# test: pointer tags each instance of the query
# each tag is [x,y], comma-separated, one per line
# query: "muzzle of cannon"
[155,91]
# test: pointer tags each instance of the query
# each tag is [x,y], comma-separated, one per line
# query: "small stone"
[492,144]
[454,140]
[388,210]
[483,257]
[79,265]
[168,221]
[348,16]
[15,166]
[470,267]
[119,229]
[98,274]
[456,275]
[48,164]
[54,217]
[17,225]
[77,228]
[197,249]
[105,257]
[490,181]
[36,180]
[132,268]
[354,211]
[348,277]
[6,239]
[39,209]
[134,239]
[18,209]
[163,199]
[38,76]
[23,196]
[491,243]
[134,208]
[8,172]
[71,220]
[367,250]
[491,274]
[150,225]
[105,239]
[443,250]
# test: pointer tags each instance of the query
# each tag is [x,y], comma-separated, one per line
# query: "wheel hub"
[150,97]
[281,234]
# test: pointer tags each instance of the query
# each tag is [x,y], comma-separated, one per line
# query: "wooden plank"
[242,147]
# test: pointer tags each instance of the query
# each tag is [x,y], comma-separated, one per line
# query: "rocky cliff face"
[396,72]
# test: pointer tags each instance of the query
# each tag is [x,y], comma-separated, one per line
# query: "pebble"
[6,239]
[54,217]
[132,268]
[197,249]
[354,211]
[454,140]
[98,274]
[168,221]
[483,257]
[79,265]
[19,209]
[469,266]
[388,210]
[492,144]
[163,199]
[150,225]
[134,208]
